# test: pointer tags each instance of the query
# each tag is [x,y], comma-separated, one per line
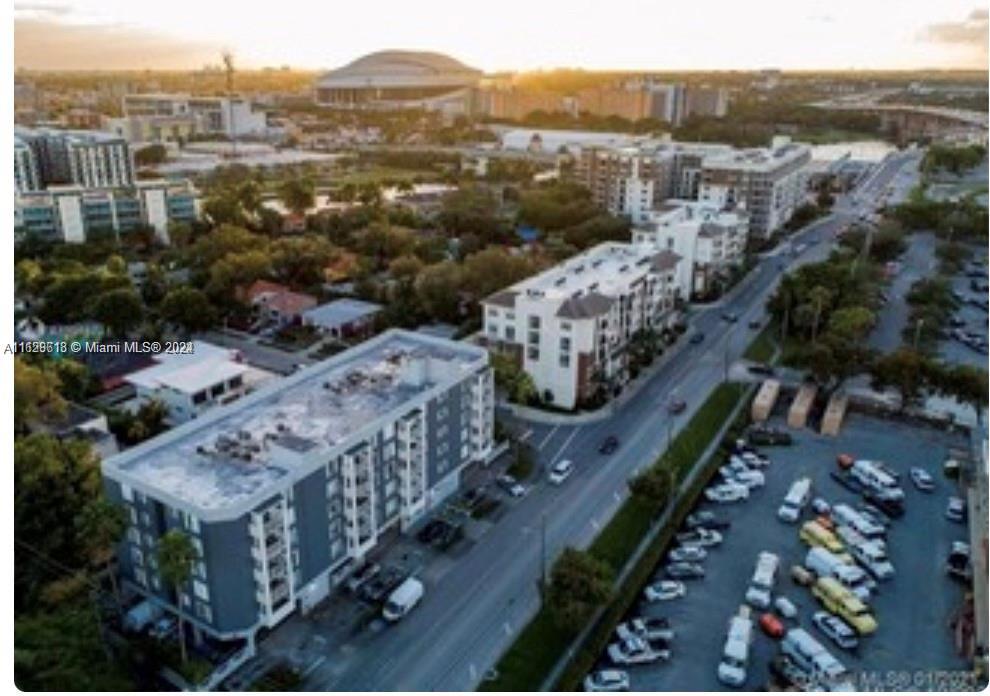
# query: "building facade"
[227,116]
[569,327]
[710,240]
[284,490]
[74,213]
[89,159]
[770,182]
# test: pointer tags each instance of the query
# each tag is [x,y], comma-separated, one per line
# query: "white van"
[735,652]
[763,580]
[826,564]
[875,478]
[873,556]
[811,657]
[844,515]
[797,498]
[403,599]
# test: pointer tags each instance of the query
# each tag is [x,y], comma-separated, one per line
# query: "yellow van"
[839,600]
[813,534]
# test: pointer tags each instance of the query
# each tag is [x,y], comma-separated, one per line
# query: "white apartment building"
[569,326]
[710,240]
[770,182]
[189,384]
[91,159]
[228,116]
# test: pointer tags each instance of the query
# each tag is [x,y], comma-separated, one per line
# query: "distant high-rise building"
[26,175]
[707,101]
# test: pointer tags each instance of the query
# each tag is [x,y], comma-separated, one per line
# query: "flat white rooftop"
[236,455]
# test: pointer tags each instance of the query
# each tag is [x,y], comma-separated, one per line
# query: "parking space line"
[314,666]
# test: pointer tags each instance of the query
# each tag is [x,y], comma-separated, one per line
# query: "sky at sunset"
[507,35]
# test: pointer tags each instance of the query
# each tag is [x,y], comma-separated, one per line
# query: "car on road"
[635,651]
[755,324]
[922,480]
[771,625]
[684,571]
[664,591]
[560,471]
[676,406]
[958,565]
[706,518]
[955,511]
[609,446]
[607,680]
[727,493]
[509,484]
[689,554]
[699,537]
[835,629]
[730,317]
[653,629]
[697,338]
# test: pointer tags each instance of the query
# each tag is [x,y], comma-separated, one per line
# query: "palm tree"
[100,526]
[176,556]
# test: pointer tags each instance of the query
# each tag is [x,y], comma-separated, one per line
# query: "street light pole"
[917,331]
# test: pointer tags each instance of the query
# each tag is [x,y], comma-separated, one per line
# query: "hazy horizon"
[624,35]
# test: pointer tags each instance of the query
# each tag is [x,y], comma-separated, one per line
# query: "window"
[201,590]
[565,360]
[533,353]
[216,390]
[510,333]
[565,326]
[133,535]
[137,557]
[534,322]
[493,329]
[492,312]
[199,397]
[235,382]
[565,343]
[141,577]
[126,492]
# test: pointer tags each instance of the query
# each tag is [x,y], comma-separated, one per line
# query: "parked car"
[684,571]
[785,607]
[922,480]
[750,479]
[699,537]
[755,324]
[362,575]
[847,481]
[560,471]
[772,626]
[697,338]
[706,518]
[727,493]
[958,565]
[610,444]
[755,459]
[430,531]
[509,484]
[820,506]
[635,651]
[690,554]
[891,507]
[802,576]
[664,590]
[835,629]
[653,629]
[956,510]
[730,317]
[607,680]
[761,369]
[677,406]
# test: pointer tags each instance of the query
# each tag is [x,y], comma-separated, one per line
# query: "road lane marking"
[312,667]
[594,524]
[547,438]
[566,443]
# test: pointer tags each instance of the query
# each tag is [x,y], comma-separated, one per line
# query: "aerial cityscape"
[529,347]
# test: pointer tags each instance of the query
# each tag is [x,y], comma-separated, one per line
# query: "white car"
[664,590]
[607,680]
[750,479]
[691,554]
[647,628]
[699,537]
[727,493]
[821,506]
[785,607]
[754,460]
[922,480]
[560,471]
[635,651]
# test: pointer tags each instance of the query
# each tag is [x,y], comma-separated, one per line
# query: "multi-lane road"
[473,611]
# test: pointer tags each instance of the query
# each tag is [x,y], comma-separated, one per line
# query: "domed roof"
[401,69]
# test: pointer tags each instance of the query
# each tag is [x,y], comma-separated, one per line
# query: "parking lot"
[972,319]
[913,609]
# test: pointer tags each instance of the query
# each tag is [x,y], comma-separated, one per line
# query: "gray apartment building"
[91,159]
[285,489]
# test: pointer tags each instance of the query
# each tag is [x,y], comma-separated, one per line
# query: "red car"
[772,626]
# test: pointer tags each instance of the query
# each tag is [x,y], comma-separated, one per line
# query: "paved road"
[471,614]
[917,262]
